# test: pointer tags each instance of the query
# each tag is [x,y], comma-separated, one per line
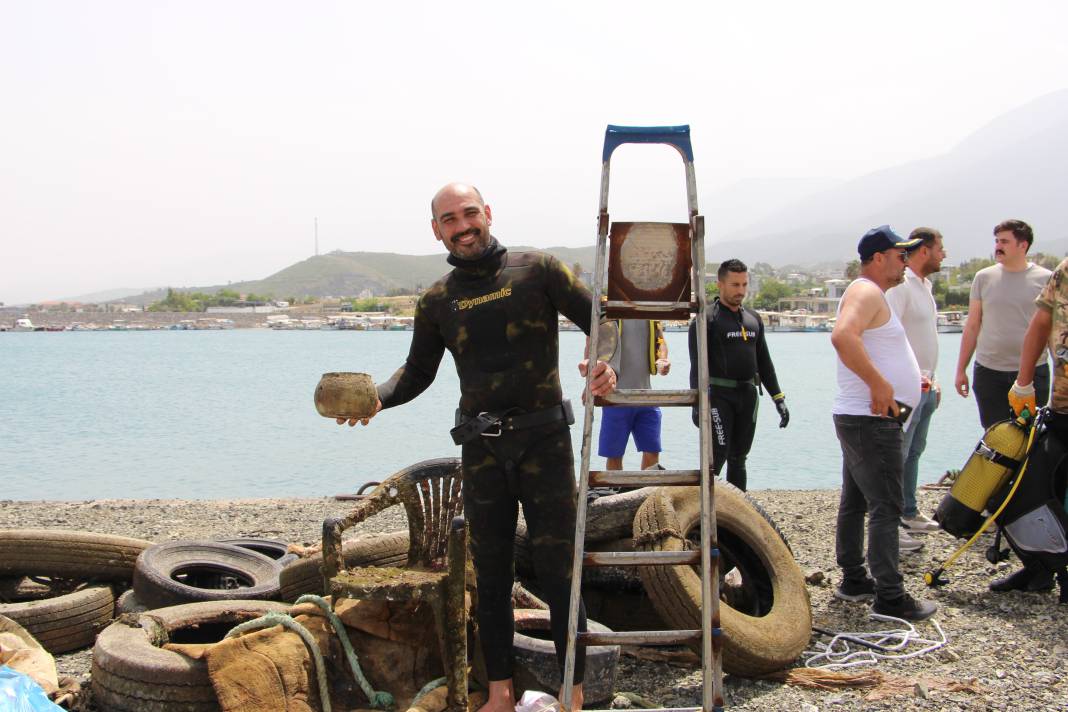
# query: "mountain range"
[1014,167]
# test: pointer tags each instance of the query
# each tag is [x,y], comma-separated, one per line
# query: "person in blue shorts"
[642,352]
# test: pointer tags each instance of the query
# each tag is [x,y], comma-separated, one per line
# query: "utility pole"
[316,237]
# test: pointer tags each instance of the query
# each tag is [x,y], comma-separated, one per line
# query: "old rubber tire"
[67,622]
[68,554]
[132,673]
[187,571]
[535,659]
[127,602]
[271,548]
[305,575]
[775,622]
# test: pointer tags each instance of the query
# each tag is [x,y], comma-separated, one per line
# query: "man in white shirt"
[915,306]
[1001,305]
[877,378]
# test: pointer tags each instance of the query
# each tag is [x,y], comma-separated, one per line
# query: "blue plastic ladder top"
[677,136]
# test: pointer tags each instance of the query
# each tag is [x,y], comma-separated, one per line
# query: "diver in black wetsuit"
[496,312]
[738,362]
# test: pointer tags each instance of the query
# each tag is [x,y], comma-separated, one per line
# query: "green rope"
[432,685]
[379,700]
[272,619]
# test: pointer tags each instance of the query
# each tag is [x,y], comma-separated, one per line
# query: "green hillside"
[344,274]
[350,273]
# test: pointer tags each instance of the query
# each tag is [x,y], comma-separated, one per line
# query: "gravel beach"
[1014,645]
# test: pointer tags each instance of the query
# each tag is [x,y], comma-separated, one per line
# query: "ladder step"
[641,558]
[650,308]
[648,397]
[641,637]
[643,478]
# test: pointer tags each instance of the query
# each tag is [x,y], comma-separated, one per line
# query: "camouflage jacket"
[1054,298]
[497,316]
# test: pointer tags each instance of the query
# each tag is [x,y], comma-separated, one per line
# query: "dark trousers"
[871,484]
[733,412]
[536,468]
[991,389]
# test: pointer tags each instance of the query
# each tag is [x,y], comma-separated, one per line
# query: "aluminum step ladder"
[654,271]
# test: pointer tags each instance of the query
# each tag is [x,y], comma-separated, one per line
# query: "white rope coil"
[840,652]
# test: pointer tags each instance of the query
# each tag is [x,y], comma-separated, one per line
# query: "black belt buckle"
[495,424]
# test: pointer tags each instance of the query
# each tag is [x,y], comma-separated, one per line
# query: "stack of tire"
[61,586]
[84,568]
[197,591]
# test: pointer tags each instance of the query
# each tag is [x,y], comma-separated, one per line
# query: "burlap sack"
[21,652]
[396,645]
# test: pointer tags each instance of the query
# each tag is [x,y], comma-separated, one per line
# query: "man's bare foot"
[576,699]
[501,697]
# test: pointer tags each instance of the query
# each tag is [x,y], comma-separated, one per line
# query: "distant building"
[813,305]
[262,309]
[835,288]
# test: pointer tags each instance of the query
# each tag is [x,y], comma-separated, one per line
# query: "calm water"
[228,414]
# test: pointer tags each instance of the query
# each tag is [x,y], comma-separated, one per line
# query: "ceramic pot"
[346,395]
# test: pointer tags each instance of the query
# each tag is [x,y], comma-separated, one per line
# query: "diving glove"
[1022,400]
[784,414]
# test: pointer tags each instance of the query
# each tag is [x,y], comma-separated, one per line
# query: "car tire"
[67,622]
[770,621]
[188,571]
[68,554]
[536,667]
[271,548]
[133,673]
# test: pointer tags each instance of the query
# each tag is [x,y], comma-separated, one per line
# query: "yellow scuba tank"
[998,454]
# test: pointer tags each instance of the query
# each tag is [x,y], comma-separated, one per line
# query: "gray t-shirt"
[1008,304]
[631,361]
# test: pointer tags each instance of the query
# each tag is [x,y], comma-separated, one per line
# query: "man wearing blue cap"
[877,377]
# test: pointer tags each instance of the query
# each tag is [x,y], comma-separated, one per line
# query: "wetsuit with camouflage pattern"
[497,316]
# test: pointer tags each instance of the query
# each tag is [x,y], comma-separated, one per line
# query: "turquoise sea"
[229,414]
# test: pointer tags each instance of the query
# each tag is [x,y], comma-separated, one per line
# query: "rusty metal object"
[346,395]
[649,262]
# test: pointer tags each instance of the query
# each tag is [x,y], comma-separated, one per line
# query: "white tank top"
[889,350]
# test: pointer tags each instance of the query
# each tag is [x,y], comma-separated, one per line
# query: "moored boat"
[951,322]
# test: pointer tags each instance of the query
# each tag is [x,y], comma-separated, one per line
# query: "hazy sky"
[194,143]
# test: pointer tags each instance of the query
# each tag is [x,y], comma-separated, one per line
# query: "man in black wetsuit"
[738,363]
[496,313]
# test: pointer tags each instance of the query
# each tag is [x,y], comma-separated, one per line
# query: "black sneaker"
[1024,580]
[854,590]
[906,607]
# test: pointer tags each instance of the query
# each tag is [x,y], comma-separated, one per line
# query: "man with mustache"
[496,313]
[1000,307]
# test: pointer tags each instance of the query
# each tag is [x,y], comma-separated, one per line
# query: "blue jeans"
[871,484]
[913,445]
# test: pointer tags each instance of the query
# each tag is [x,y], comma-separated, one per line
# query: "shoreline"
[1014,644]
